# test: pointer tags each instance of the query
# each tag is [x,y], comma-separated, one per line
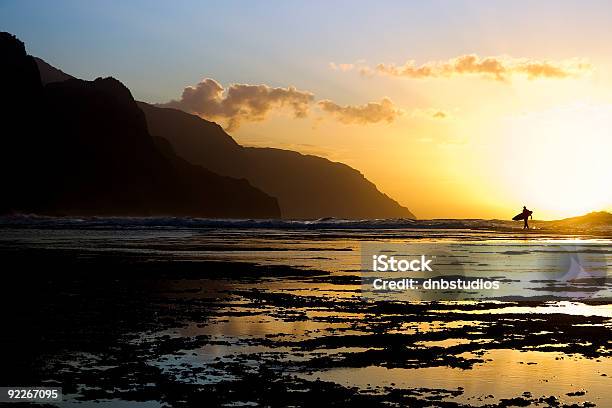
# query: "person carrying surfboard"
[524,215]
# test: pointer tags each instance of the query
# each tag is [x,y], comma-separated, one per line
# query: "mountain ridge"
[592,219]
[306,186]
[316,187]
[78,147]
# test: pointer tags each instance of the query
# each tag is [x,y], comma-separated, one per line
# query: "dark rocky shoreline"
[111,326]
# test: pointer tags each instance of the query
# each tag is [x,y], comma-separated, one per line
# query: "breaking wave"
[35,221]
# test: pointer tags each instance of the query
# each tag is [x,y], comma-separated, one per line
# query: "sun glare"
[558,161]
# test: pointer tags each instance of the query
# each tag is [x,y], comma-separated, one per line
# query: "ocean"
[174,311]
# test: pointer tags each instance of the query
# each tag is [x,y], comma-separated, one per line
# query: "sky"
[457,109]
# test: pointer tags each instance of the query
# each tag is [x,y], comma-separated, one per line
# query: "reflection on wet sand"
[167,317]
[563,307]
[504,374]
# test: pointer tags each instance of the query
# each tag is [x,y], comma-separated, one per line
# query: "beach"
[296,204]
[184,312]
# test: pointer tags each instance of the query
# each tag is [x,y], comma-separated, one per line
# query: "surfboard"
[520,215]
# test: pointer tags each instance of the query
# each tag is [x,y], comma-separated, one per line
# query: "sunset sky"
[455,109]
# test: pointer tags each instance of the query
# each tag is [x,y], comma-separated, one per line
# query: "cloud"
[497,68]
[359,65]
[240,102]
[341,67]
[367,72]
[431,113]
[372,112]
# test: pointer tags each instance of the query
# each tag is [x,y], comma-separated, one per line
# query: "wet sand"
[177,328]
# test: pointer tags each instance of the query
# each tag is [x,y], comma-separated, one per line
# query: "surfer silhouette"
[524,215]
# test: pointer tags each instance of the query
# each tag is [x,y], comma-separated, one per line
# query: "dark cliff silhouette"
[594,219]
[306,186]
[48,73]
[83,148]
